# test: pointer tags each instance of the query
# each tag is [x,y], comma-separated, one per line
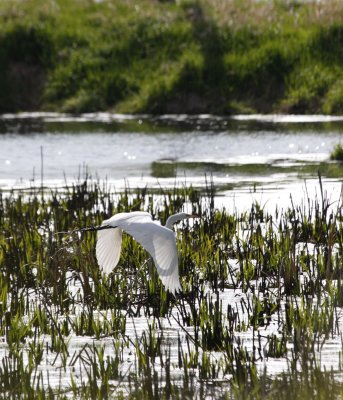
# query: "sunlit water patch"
[154,150]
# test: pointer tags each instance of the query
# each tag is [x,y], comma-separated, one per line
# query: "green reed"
[241,274]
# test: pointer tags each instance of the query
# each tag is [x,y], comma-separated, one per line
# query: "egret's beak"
[95,228]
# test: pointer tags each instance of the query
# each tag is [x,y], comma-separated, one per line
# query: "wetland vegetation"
[259,315]
[153,56]
[337,153]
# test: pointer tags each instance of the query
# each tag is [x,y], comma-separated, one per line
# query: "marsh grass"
[256,287]
[337,153]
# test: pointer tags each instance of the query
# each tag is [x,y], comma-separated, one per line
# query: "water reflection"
[164,168]
[253,150]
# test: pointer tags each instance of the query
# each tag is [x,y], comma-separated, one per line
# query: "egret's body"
[158,240]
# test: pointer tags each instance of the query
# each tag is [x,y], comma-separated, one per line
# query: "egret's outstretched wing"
[158,240]
[108,244]
[108,248]
[160,244]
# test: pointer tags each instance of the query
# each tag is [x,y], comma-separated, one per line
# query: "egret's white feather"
[108,248]
[158,241]
[161,245]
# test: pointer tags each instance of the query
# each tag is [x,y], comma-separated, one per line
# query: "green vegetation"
[171,56]
[257,287]
[302,169]
[337,153]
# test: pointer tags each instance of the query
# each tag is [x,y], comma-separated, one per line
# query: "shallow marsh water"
[267,159]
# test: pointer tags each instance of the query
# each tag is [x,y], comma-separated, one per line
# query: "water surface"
[242,154]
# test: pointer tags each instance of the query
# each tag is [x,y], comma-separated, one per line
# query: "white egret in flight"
[159,241]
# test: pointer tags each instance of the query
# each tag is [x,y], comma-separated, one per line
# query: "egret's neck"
[173,219]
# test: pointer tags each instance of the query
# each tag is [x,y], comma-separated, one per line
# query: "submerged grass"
[256,287]
[171,57]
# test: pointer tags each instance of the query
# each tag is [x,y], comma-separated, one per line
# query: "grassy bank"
[171,56]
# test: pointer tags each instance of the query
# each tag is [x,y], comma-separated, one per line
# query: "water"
[263,158]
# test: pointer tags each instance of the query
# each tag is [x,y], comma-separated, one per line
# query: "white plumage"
[159,241]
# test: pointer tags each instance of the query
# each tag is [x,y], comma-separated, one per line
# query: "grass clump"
[337,153]
[307,90]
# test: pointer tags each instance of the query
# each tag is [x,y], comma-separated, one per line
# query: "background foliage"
[171,56]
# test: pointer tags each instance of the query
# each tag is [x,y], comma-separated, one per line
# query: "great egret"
[158,240]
